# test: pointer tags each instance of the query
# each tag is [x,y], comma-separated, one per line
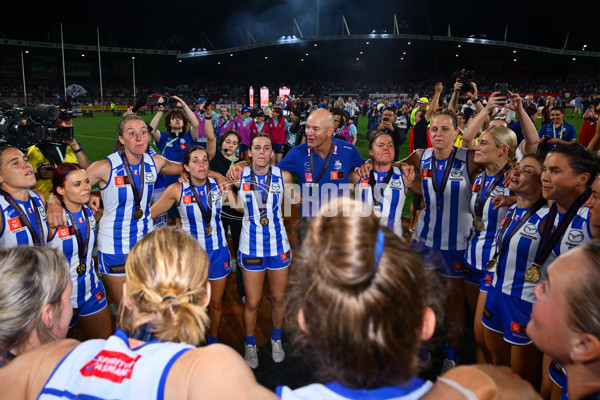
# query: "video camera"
[466,78]
[26,126]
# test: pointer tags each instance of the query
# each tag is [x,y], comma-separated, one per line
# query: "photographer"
[387,125]
[44,157]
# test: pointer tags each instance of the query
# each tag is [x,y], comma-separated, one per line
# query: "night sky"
[181,25]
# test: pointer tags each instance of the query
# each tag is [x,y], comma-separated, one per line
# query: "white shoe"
[251,356]
[447,365]
[277,351]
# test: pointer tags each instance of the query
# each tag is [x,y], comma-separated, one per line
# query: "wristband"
[79,150]
[475,101]
[207,118]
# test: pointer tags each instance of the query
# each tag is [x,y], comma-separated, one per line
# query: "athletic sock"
[212,339]
[276,335]
[251,340]
[450,352]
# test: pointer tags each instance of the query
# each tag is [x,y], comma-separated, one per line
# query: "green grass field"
[99,133]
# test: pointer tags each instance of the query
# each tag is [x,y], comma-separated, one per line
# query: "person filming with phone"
[387,125]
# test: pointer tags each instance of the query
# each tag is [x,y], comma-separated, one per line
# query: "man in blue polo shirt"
[322,165]
[557,131]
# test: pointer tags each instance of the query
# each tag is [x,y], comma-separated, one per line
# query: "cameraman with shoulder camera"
[44,157]
[387,125]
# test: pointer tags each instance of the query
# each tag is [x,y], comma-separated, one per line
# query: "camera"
[169,102]
[386,119]
[24,127]
[466,78]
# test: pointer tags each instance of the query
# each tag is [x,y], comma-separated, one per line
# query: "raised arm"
[209,130]
[474,96]
[435,101]
[455,94]
[156,120]
[478,121]
[530,133]
[82,158]
[194,125]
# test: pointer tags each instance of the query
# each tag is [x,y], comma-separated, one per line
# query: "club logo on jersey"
[215,195]
[338,165]
[121,180]
[576,236]
[111,365]
[15,224]
[426,173]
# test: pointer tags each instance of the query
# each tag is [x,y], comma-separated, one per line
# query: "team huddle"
[496,215]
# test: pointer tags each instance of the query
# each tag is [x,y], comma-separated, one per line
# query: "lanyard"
[206,213]
[560,133]
[136,195]
[37,240]
[325,164]
[479,202]
[168,144]
[381,188]
[550,234]
[502,242]
[447,170]
[262,206]
[82,240]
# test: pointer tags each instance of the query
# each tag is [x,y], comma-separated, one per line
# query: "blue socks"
[450,352]
[212,339]
[250,340]
[276,335]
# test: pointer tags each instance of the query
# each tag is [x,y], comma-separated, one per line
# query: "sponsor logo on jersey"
[337,175]
[121,180]
[576,236]
[530,229]
[99,296]
[285,255]
[518,328]
[65,232]
[188,200]
[15,224]
[426,173]
[364,183]
[308,176]
[111,365]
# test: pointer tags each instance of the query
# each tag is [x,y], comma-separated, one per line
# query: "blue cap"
[200,100]
[246,109]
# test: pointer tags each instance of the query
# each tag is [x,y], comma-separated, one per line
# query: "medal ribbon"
[82,241]
[447,170]
[23,217]
[136,195]
[382,187]
[502,243]
[262,202]
[551,235]
[479,202]
[325,164]
[206,214]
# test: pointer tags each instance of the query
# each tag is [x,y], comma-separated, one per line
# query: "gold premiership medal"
[81,269]
[138,214]
[479,224]
[208,230]
[532,274]
[491,264]
[264,221]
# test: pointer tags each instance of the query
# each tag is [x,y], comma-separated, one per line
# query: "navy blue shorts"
[508,316]
[219,263]
[111,264]
[96,302]
[250,263]
[482,278]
